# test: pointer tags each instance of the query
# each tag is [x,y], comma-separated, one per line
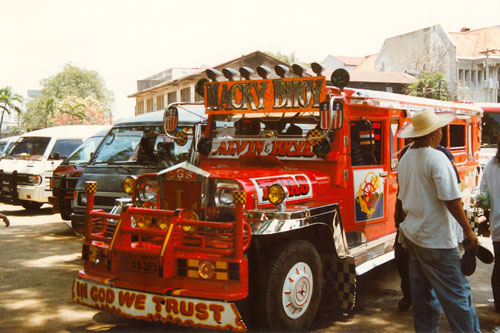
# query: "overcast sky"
[127,40]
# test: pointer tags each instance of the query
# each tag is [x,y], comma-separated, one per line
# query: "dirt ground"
[40,257]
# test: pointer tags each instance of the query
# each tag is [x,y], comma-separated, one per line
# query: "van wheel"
[65,209]
[31,205]
[293,288]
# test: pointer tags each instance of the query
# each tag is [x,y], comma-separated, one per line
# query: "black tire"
[292,290]
[31,205]
[65,210]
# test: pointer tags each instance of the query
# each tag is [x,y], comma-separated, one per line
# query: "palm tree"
[74,110]
[7,102]
[49,106]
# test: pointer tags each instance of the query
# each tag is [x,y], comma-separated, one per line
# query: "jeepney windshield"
[143,145]
[29,148]
[276,125]
[82,154]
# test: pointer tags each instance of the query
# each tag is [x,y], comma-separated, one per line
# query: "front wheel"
[293,288]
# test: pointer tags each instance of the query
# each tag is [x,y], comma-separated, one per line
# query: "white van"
[25,170]
[6,144]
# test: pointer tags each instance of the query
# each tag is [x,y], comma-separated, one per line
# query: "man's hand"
[470,241]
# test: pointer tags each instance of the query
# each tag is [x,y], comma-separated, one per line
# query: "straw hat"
[425,122]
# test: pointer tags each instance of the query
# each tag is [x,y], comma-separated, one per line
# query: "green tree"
[430,85]
[73,83]
[75,110]
[9,101]
[288,59]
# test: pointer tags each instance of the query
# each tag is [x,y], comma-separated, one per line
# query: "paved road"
[40,256]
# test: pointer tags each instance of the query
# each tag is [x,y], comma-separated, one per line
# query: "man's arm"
[455,208]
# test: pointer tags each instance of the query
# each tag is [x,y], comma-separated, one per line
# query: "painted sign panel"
[291,149]
[278,95]
[298,186]
[146,306]
[368,194]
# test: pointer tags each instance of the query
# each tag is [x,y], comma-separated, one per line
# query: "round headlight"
[35,179]
[147,190]
[276,194]
[206,269]
[226,196]
[128,184]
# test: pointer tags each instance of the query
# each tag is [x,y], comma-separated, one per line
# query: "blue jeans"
[436,280]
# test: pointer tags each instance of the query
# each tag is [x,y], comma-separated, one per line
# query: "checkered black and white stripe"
[341,276]
[90,187]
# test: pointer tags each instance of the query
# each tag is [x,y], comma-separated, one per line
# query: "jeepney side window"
[444,138]
[457,136]
[366,142]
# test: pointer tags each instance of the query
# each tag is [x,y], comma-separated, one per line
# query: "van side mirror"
[54,156]
[331,114]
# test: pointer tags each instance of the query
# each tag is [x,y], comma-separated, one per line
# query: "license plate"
[145,265]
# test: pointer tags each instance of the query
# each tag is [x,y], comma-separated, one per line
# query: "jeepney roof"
[406,102]
[188,114]
[489,107]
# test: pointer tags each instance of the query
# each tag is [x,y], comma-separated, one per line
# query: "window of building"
[140,107]
[461,75]
[149,105]
[172,97]
[198,97]
[474,79]
[186,94]
[159,102]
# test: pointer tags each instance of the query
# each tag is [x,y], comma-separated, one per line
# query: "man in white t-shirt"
[490,182]
[431,203]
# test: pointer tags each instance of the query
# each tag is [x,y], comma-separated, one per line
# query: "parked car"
[133,147]
[25,170]
[7,143]
[65,176]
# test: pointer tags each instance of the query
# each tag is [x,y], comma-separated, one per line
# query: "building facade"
[468,59]
[178,84]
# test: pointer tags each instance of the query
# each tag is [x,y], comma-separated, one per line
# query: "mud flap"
[340,275]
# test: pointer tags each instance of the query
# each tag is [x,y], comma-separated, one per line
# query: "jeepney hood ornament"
[184,171]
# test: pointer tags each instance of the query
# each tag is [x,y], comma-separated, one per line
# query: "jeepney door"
[370,169]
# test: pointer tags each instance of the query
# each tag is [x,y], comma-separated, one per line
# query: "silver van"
[133,147]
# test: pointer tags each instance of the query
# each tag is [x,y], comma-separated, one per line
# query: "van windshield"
[82,154]
[29,148]
[141,145]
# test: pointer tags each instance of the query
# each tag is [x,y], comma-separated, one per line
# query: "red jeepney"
[293,198]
